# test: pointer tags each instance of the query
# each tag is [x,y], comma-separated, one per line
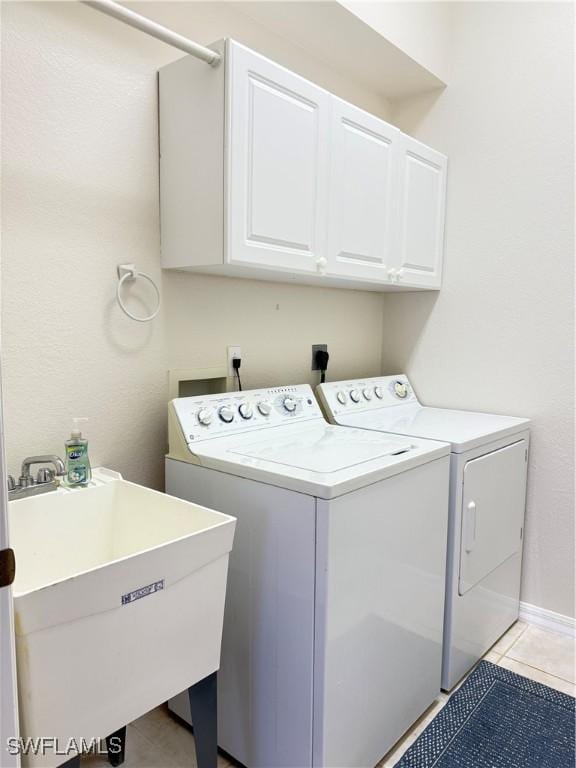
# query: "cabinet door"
[421,196]
[8,697]
[360,223]
[278,124]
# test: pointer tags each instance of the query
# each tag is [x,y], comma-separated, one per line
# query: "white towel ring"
[128,273]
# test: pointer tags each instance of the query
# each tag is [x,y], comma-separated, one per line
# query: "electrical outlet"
[316,348]
[232,353]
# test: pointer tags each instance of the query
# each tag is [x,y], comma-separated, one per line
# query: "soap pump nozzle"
[76,433]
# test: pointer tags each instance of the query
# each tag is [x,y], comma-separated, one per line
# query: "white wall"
[499,336]
[423,30]
[80,195]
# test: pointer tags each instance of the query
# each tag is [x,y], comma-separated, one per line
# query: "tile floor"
[528,650]
[156,740]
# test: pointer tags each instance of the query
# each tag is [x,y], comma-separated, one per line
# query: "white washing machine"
[487,502]
[333,623]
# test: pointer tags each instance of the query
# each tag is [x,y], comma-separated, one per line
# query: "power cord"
[321,358]
[236,363]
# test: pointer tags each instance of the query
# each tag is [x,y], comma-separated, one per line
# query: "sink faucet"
[46,478]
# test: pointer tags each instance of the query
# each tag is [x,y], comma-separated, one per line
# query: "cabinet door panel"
[278,124]
[421,207]
[361,193]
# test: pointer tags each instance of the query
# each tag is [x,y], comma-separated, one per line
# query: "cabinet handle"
[470,540]
[321,264]
[7,567]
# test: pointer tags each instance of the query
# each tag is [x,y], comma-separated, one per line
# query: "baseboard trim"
[541,617]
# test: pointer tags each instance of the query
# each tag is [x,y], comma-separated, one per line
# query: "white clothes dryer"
[333,622]
[489,456]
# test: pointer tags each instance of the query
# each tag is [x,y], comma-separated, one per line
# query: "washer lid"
[326,450]
[463,429]
[315,457]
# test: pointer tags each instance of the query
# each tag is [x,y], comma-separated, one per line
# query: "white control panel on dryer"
[208,416]
[358,395]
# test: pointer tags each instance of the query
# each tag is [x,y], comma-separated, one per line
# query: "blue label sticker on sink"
[130,597]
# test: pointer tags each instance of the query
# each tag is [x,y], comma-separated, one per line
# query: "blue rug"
[498,719]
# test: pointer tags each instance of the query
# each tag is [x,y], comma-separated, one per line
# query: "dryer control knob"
[204,416]
[245,410]
[378,392]
[265,408]
[367,394]
[226,413]
[289,404]
[354,395]
[341,397]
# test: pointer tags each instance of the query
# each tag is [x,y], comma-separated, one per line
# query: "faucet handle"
[45,475]
[25,481]
[11,483]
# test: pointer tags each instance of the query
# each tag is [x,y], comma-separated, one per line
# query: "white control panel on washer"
[208,416]
[365,394]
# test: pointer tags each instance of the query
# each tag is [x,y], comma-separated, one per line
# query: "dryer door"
[493,502]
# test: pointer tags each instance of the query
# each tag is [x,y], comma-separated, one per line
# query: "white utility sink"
[119,603]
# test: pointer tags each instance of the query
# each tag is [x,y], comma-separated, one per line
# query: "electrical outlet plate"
[232,353]
[317,348]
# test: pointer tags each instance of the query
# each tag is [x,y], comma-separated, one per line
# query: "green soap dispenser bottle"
[78,471]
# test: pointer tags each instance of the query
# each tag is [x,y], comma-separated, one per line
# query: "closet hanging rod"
[150,27]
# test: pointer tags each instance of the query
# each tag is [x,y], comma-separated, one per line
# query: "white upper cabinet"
[421,196]
[278,165]
[362,168]
[265,175]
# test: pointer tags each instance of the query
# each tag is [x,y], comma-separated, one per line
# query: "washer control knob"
[378,392]
[205,416]
[245,410]
[401,389]
[265,408]
[367,394]
[354,395]
[341,397]
[226,413]
[289,404]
